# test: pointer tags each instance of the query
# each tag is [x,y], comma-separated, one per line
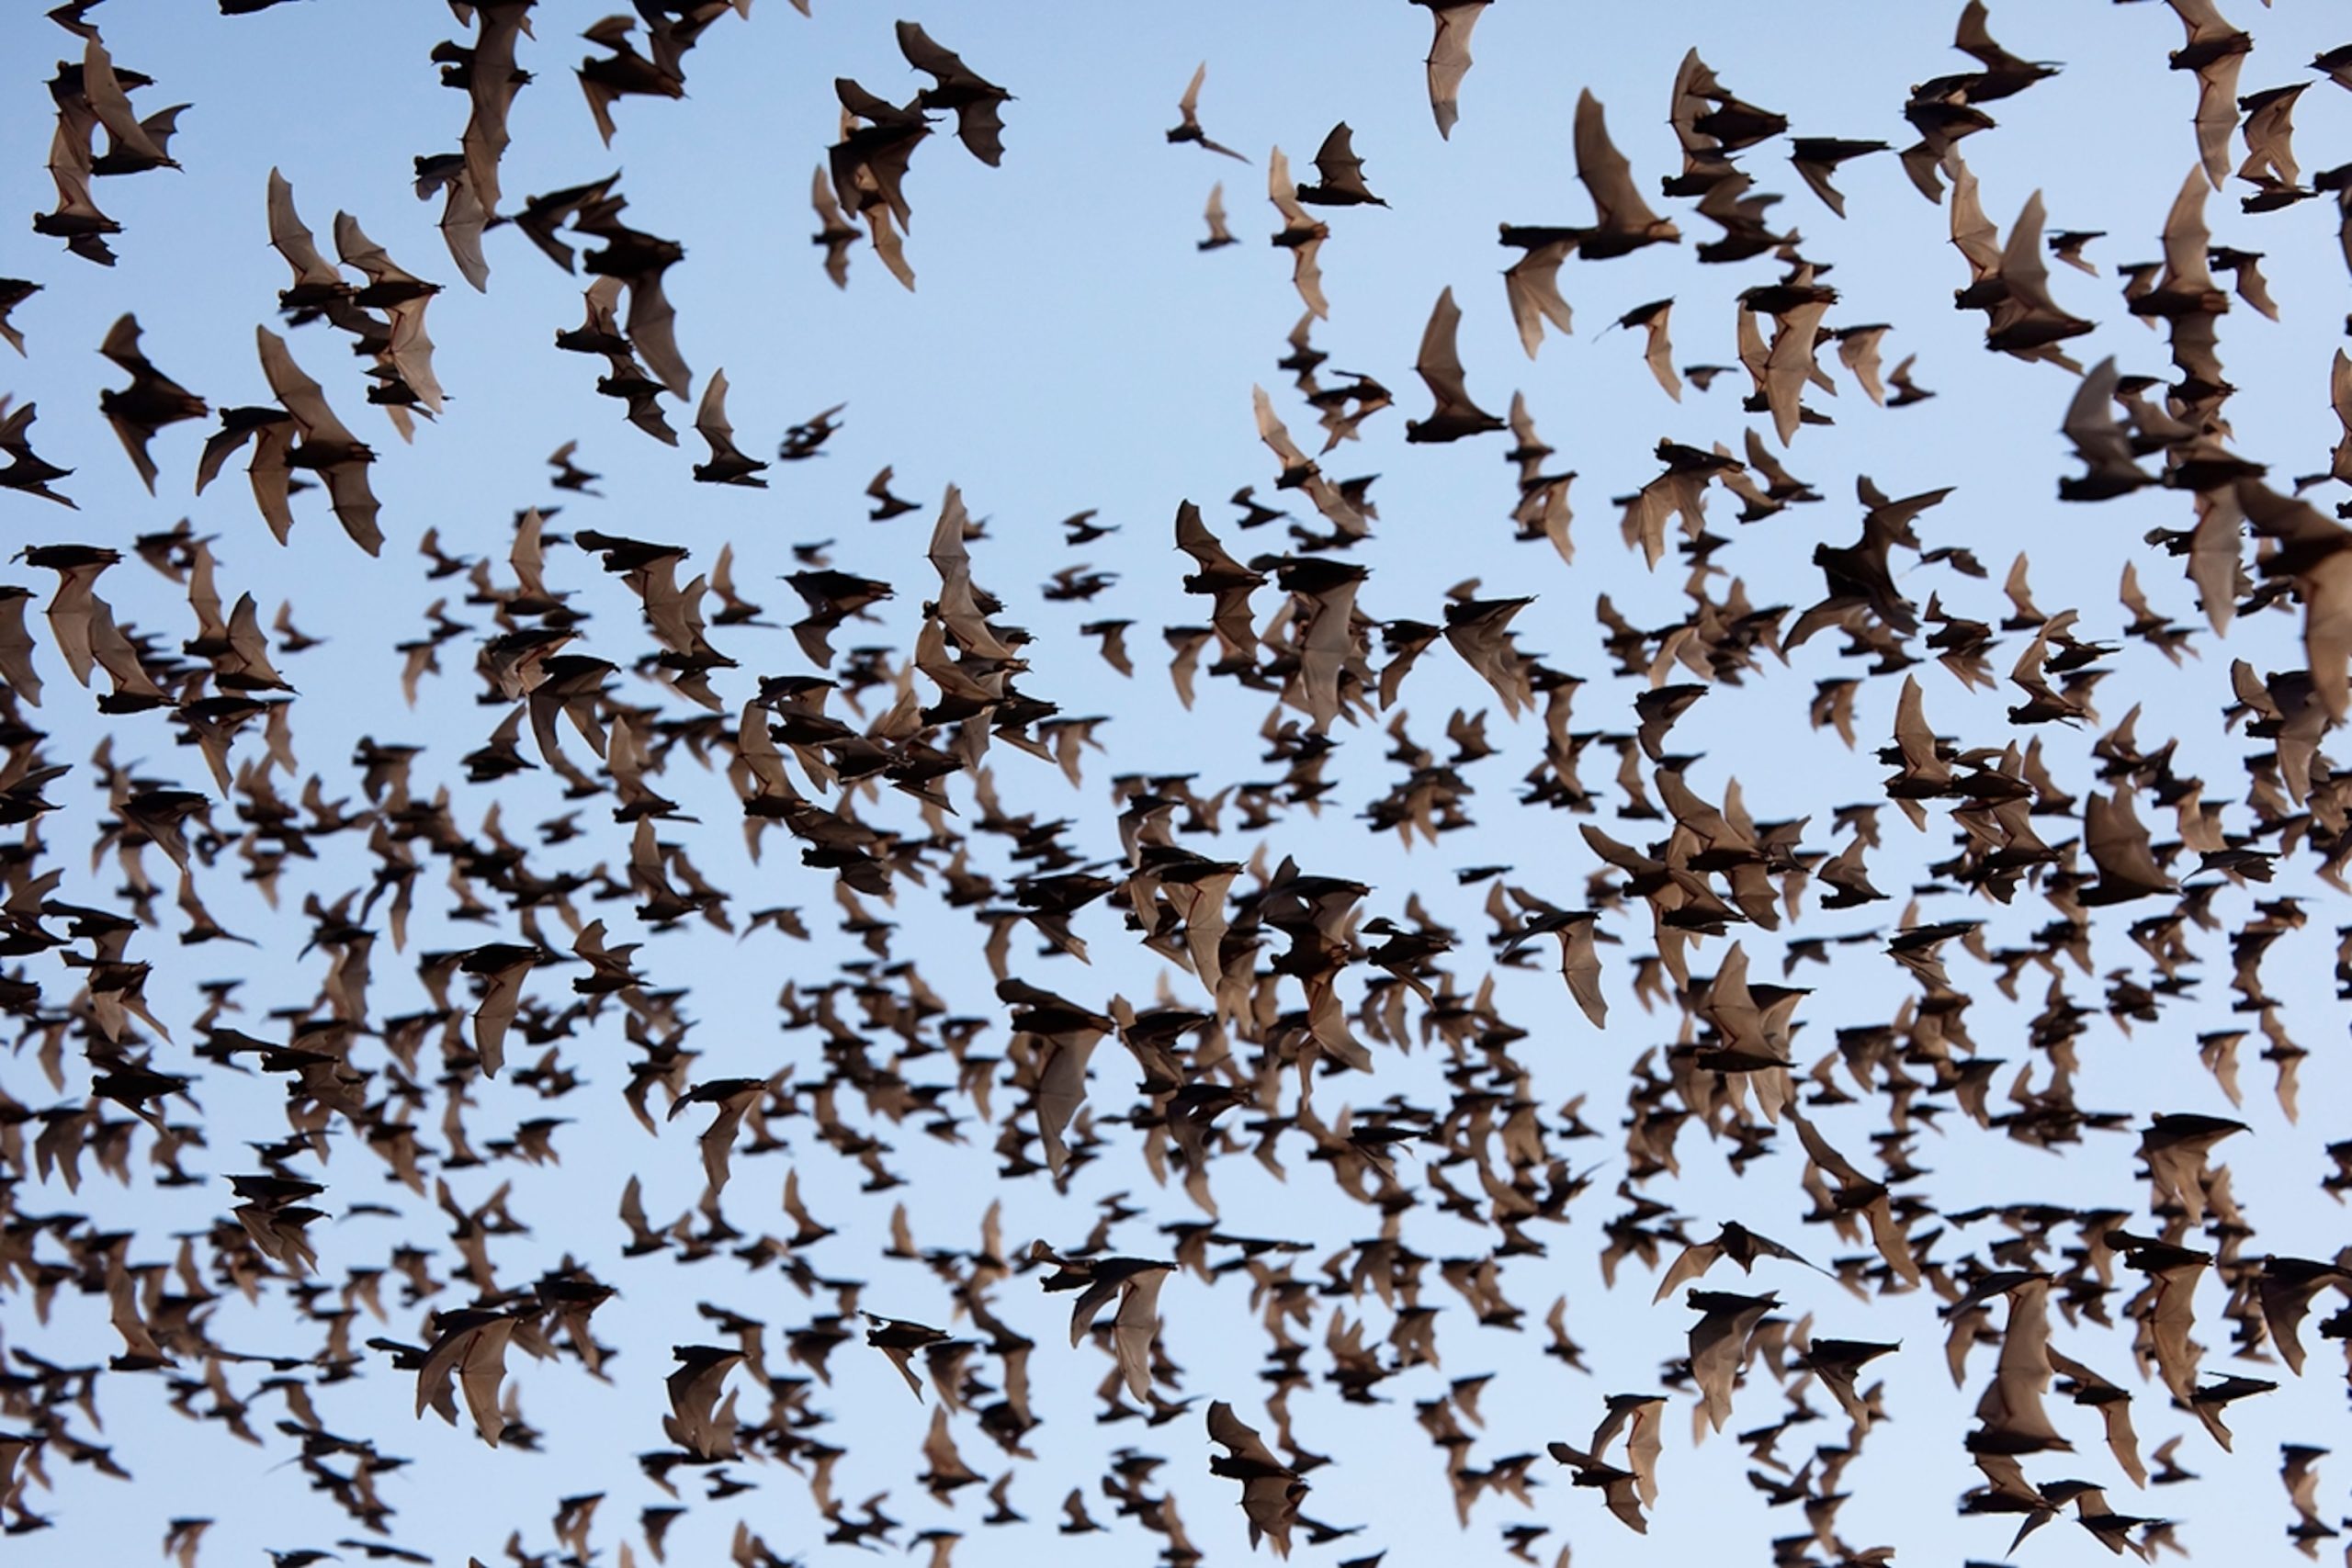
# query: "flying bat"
[1189,106]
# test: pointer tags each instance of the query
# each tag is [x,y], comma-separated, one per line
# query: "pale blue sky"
[1067,347]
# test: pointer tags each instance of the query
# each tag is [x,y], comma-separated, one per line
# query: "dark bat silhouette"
[27,471]
[1817,158]
[1343,174]
[151,400]
[974,98]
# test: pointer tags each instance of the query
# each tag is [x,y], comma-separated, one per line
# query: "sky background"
[1067,347]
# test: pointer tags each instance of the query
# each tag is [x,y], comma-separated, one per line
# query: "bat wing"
[112,105]
[1605,172]
[821,196]
[2217,114]
[711,417]
[134,437]
[1283,192]
[939,1450]
[2023,266]
[1271,430]
[1532,282]
[2254,288]
[1644,1443]
[464,216]
[1815,174]
[1449,62]
[2187,239]
[1580,966]
[2269,132]
[1858,350]
[926,55]
[353,500]
[2339,394]
[652,332]
[836,233]
[1306,275]
[300,395]
[1240,1440]
[204,595]
[1270,1503]
[1214,214]
[2011,1404]
[1825,1155]
[2170,1324]
[1692,1263]
[1090,1302]
[1972,37]
[2118,845]
[1973,233]
[1189,106]
[1660,355]
[481,1367]
[958,605]
[17,649]
[1439,363]
[69,166]
[600,98]
[980,125]
[1789,366]
[121,344]
[271,477]
[1136,1325]
[1061,1089]
[2091,424]
[122,1296]
[293,240]
[1619,1492]
[1336,163]
[411,354]
[496,1015]
[888,246]
[492,85]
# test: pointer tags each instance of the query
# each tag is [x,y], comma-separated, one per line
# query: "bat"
[974,99]
[1532,282]
[463,217]
[2216,51]
[1439,367]
[1817,159]
[1189,130]
[1301,234]
[471,1350]
[1341,184]
[402,296]
[835,232]
[1213,214]
[327,446]
[28,472]
[1624,222]
[727,464]
[1271,1490]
